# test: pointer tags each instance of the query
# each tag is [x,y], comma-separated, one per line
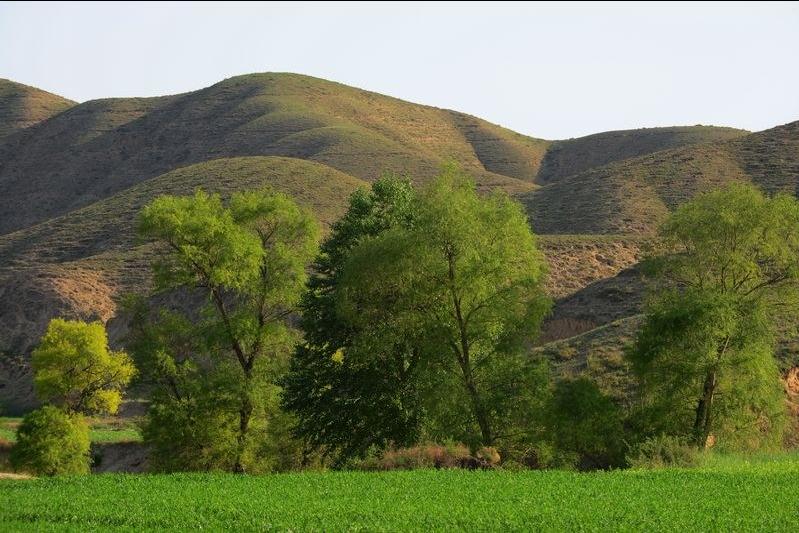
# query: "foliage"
[461,288]
[451,455]
[51,442]
[663,451]
[100,430]
[74,368]
[585,424]
[429,455]
[694,339]
[728,269]
[343,403]
[216,373]
[752,497]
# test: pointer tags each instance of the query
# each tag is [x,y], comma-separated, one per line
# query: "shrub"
[201,434]
[585,426]
[488,455]
[51,442]
[451,455]
[663,451]
[189,435]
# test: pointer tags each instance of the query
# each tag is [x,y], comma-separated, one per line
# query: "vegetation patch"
[735,497]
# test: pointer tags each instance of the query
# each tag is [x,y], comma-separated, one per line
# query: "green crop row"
[738,496]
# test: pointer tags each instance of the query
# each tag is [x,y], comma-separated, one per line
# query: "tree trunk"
[479,411]
[704,410]
[464,360]
[245,413]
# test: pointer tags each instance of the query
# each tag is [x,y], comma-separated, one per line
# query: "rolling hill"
[49,266]
[634,195]
[566,158]
[74,176]
[22,106]
[96,149]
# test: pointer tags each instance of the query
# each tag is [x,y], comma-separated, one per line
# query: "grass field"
[733,496]
[102,431]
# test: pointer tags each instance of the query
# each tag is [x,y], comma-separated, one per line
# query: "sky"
[553,71]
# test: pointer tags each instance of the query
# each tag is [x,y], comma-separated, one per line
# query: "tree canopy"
[248,258]
[461,287]
[343,403]
[75,369]
[725,275]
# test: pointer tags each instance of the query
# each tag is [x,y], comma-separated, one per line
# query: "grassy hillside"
[22,106]
[572,156]
[74,176]
[77,265]
[599,355]
[80,264]
[500,150]
[108,225]
[635,195]
[102,147]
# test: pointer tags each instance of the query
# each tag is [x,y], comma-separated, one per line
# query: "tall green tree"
[343,403]
[248,259]
[75,370]
[461,286]
[725,274]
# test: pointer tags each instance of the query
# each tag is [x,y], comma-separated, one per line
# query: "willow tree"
[726,274]
[248,259]
[463,286]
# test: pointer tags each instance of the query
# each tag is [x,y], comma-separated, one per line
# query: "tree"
[74,368]
[248,259]
[344,403]
[461,287]
[52,442]
[726,272]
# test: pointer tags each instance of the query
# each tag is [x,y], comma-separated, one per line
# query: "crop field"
[737,496]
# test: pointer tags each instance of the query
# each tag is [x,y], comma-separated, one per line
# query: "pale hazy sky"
[547,70]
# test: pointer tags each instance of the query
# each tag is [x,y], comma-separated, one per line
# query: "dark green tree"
[461,288]
[346,404]
[585,424]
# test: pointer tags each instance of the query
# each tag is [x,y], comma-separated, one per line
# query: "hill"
[634,195]
[569,157]
[74,179]
[22,106]
[100,237]
[81,264]
[99,148]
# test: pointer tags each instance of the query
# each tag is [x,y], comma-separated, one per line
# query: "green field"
[732,496]
[101,430]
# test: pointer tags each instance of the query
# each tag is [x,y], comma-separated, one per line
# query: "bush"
[51,442]
[585,427]
[201,434]
[663,451]
[450,455]
[186,435]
